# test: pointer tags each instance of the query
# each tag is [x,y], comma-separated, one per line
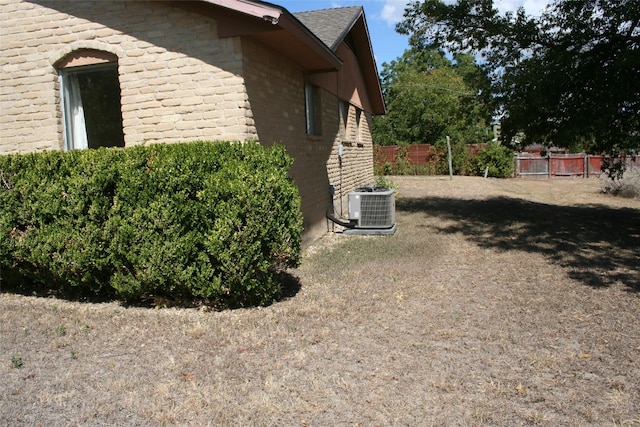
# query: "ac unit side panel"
[354,206]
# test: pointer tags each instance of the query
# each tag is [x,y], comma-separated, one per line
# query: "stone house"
[119,73]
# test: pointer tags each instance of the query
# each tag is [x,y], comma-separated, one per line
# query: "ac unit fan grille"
[375,211]
[372,209]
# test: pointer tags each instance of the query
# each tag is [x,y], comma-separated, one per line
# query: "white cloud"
[532,7]
[393,10]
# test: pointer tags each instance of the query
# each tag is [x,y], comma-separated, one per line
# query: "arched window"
[90,94]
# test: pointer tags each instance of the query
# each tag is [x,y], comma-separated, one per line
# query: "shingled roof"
[330,25]
[347,24]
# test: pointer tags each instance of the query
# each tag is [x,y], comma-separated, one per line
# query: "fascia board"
[258,10]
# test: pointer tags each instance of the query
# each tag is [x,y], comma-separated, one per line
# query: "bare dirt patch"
[497,302]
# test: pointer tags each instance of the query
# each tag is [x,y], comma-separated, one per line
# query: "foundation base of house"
[371,231]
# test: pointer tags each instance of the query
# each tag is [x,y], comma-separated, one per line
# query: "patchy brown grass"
[497,302]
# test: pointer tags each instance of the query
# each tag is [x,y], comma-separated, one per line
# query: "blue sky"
[382,16]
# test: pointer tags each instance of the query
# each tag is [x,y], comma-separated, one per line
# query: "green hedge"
[498,159]
[196,220]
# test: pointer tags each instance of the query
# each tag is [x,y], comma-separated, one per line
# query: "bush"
[209,220]
[498,159]
[628,185]
[435,161]
[462,159]
[382,182]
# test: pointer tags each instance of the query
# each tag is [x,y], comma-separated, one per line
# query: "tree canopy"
[569,77]
[430,96]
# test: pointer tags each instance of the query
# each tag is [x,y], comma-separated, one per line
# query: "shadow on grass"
[289,284]
[596,245]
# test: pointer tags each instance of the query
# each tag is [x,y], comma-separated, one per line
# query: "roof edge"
[281,17]
[348,29]
[263,10]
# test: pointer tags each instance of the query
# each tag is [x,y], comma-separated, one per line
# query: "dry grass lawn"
[497,302]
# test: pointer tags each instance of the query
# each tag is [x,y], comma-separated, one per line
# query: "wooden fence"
[416,154]
[422,158]
[564,165]
[414,158]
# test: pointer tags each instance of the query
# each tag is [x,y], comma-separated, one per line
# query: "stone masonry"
[179,82]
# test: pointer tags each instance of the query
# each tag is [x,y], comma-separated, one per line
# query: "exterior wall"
[356,168]
[30,118]
[178,81]
[275,87]
[348,84]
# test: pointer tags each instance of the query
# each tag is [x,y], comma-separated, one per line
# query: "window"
[91,106]
[351,123]
[312,109]
[343,106]
[358,124]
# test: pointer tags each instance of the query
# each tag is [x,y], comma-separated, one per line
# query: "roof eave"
[295,27]
[362,39]
[258,10]
[270,19]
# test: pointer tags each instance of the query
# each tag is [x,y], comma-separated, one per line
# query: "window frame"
[75,132]
[343,109]
[313,116]
[358,125]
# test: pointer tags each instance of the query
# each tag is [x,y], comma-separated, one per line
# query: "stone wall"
[275,87]
[355,169]
[178,80]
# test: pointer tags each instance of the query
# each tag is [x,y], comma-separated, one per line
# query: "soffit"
[270,25]
[312,44]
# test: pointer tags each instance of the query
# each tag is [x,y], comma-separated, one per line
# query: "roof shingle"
[330,25]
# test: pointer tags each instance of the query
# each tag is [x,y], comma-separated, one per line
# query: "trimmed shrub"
[209,220]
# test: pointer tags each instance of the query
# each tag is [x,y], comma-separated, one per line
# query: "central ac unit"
[372,207]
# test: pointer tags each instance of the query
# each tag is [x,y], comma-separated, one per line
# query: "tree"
[569,77]
[430,96]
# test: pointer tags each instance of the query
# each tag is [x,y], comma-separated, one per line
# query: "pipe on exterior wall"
[350,224]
